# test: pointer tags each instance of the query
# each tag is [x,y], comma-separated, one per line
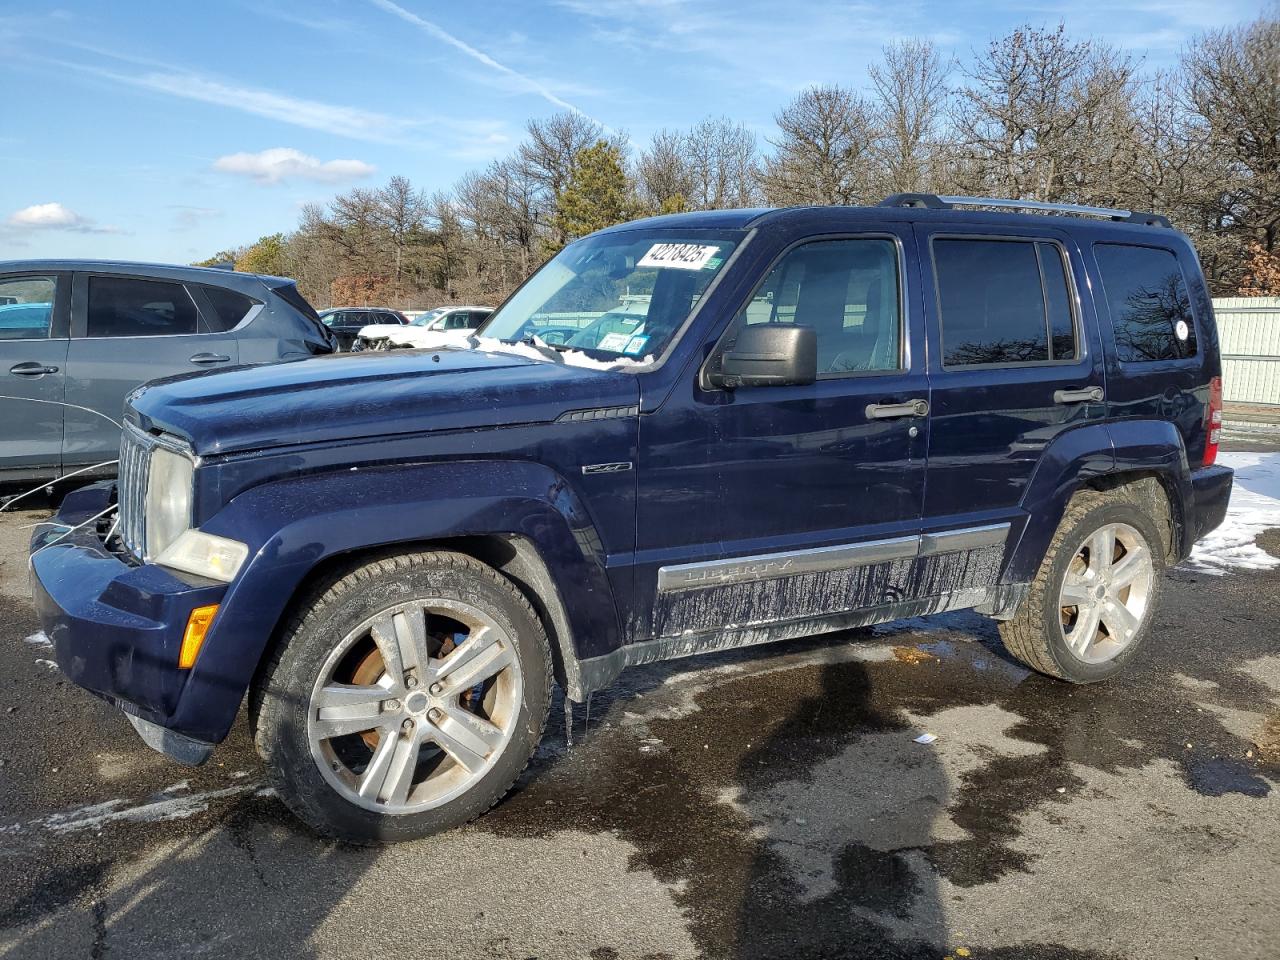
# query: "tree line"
[1037,115]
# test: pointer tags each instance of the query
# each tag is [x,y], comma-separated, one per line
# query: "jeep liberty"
[791,421]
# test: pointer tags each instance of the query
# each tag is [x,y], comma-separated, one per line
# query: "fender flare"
[1073,458]
[1099,451]
[293,525]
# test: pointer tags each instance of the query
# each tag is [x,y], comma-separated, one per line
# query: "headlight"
[168,499]
[171,541]
[214,557]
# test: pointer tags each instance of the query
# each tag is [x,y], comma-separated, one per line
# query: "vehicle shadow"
[842,802]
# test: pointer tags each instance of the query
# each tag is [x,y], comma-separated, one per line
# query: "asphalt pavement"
[762,803]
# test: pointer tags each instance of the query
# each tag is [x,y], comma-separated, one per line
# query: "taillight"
[1213,421]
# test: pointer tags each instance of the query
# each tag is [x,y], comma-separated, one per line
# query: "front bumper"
[117,627]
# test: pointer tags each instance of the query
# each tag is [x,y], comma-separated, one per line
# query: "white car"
[422,331]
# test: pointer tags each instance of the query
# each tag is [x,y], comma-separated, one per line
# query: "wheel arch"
[302,533]
[1132,454]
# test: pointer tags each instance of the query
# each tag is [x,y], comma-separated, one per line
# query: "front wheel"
[1091,604]
[406,698]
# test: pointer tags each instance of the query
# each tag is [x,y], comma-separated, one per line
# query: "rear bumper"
[117,627]
[1211,492]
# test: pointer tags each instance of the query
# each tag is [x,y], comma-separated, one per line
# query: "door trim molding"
[790,563]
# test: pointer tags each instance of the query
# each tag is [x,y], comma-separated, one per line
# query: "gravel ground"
[762,803]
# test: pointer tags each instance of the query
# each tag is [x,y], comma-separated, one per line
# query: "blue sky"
[169,130]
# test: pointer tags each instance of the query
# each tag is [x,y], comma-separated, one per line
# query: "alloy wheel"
[415,705]
[1105,595]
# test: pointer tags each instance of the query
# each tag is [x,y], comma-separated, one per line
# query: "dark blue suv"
[787,422]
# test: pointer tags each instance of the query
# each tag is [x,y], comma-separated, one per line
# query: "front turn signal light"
[193,639]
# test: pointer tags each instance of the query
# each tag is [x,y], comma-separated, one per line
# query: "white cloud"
[464,135]
[54,216]
[354,122]
[46,216]
[187,217]
[284,163]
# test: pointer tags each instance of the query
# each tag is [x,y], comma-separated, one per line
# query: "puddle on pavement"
[658,777]
[710,769]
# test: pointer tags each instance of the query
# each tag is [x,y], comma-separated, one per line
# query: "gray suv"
[77,336]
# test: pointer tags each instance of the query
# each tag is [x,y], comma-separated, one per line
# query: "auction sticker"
[636,345]
[613,341]
[678,256]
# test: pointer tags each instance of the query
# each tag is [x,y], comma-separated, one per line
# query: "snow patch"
[1254,508]
[167,807]
[38,640]
[466,340]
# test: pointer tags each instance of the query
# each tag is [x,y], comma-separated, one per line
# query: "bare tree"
[401,213]
[909,108]
[502,208]
[1043,116]
[722,163]
[663,178]
[1233,87]
[716,165]
[822,154]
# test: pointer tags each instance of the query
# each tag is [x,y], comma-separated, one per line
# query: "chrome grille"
[131,488]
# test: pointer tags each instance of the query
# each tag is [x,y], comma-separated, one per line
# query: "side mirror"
[770,355]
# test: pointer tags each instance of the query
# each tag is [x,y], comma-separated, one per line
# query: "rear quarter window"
[1148,300]
[229,308]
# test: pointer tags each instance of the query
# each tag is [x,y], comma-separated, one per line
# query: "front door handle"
[209,358]
[889,411]
[31,369]
[1078,396]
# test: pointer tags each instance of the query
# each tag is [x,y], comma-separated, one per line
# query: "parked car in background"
[422,330]
[76,336]
[612,330]
[834,417]
[347,322]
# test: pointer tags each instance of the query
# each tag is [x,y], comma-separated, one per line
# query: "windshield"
[426,319]
[618,295]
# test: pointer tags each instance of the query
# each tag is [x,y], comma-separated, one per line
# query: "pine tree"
[598,193]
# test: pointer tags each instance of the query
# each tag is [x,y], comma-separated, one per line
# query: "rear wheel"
[1091,604]
[405,699]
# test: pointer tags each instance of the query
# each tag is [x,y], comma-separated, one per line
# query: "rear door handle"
[31,369]
[890,411]
[1078,396]
[209,358]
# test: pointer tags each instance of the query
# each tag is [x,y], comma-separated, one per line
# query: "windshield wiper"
[551,350]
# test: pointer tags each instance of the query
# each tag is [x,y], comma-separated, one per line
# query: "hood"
[376,331]
[352,395]
[429,339]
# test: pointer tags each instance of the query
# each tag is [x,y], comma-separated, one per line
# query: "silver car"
[76,337]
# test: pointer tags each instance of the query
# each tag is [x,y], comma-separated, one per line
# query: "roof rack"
[931,201]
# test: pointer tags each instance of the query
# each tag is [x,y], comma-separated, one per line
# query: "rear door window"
[1003,302]
[26,307]
[131,307]
[1150,307]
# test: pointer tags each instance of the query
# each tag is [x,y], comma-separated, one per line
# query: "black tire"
[1035,634]
[280,698]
